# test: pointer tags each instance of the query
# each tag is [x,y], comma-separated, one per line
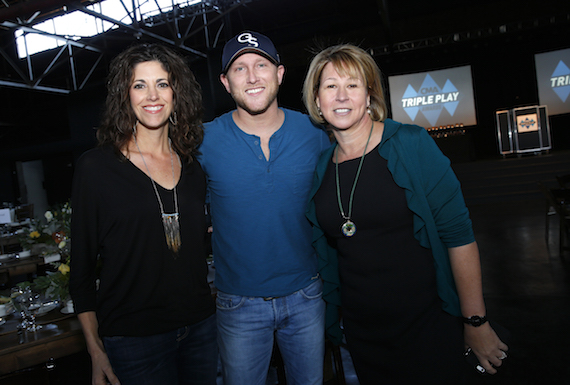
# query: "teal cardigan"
[433,193]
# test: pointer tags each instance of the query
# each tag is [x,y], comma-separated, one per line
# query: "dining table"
[10,234]
[60,335]
[14,266]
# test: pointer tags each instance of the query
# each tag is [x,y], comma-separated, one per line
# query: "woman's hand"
[482,340]
[101,367]
[102,371]
[488,348]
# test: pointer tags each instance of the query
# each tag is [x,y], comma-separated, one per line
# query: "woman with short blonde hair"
[393,235]
[347,60]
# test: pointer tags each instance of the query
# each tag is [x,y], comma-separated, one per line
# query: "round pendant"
[348,228]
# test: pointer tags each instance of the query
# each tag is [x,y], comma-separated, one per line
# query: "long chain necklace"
[170,222]
[348,228]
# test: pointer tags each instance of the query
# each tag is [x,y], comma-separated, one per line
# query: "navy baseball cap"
[248,42]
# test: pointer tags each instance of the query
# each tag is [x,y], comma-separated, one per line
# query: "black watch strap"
[475,320]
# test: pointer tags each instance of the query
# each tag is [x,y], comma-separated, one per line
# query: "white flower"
[48,215]
[62,244]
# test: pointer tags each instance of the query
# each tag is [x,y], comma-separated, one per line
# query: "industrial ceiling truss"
[480,33]
[70,67]
[194,27]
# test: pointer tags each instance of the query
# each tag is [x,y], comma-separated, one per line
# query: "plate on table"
[65,311]
[2,321]
[24,254]
[5,256]
[47,307]
[6,309]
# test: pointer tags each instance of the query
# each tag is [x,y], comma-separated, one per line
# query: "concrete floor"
[527,289]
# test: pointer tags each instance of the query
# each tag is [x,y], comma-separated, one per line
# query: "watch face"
[475,320]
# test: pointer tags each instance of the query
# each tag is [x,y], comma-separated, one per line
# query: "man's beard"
[257,111]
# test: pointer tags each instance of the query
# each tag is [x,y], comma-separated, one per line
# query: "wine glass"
[18,300]
[32,305]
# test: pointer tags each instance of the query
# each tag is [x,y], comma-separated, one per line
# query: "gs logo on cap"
[248,38]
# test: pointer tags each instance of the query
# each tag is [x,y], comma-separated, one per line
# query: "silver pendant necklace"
[170,222]
[348,228]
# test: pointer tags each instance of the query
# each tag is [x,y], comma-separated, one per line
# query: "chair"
[549,210]
[555,199]
[563,180]
[24,212]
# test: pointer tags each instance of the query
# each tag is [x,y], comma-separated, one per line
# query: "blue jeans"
[188,355]
[247,327]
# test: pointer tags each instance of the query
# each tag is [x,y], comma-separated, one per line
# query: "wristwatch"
[475,320]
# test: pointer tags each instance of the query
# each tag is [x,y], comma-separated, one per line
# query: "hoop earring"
[135,127]
[174,120]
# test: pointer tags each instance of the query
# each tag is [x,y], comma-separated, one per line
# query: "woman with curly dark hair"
[138,211]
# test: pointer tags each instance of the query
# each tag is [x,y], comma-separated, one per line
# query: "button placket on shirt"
[257,145]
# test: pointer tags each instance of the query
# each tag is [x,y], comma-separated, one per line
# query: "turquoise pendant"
[348,228]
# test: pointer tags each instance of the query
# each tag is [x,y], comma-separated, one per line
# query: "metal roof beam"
[139,30]
[31,87]
[27,29]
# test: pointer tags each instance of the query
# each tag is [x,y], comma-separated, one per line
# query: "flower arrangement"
[51,236]
[55,284]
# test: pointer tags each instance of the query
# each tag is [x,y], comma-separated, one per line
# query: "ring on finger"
[503,355]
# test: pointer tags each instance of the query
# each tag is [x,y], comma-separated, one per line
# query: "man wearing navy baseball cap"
[259,161]
[249,42]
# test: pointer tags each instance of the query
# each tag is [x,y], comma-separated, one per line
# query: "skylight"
[76,25]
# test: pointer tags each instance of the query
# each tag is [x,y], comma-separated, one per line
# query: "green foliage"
[53,235]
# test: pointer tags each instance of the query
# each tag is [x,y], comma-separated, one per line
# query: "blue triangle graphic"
[412,112]
[430,83]
[562,92]
[432,116]
[451,107]
[410,92]
[448,87]
[561,69]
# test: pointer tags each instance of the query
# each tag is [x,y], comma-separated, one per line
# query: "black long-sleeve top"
[144,287]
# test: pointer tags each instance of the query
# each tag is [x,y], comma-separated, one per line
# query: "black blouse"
[144,287]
